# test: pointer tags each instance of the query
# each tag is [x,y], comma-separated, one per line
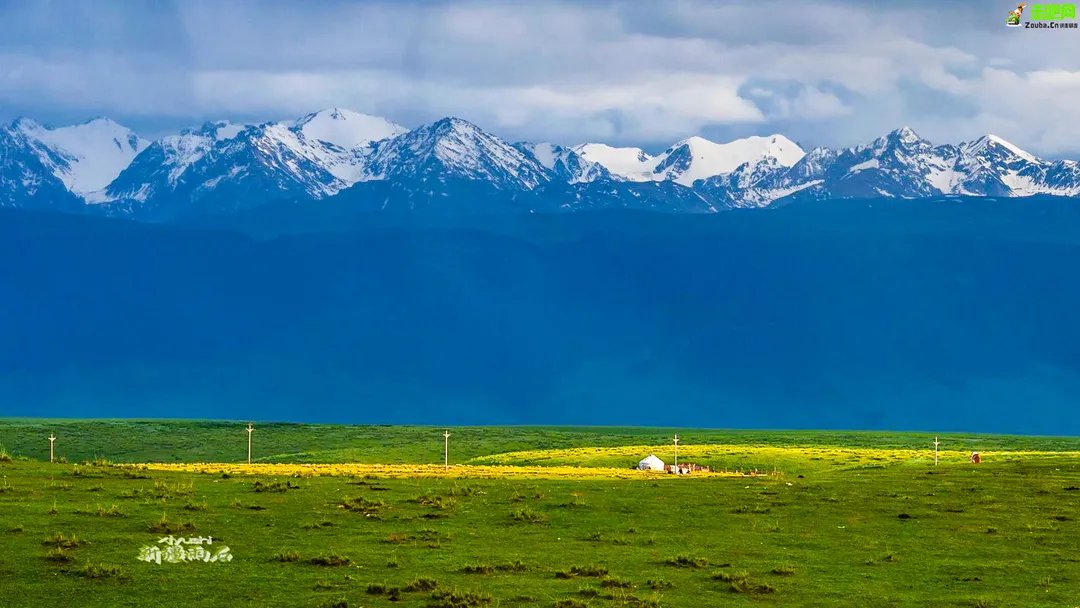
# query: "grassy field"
[222,441]
[833,519]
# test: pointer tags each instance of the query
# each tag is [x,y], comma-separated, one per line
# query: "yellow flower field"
[687,453]
[395,471]
[729,461]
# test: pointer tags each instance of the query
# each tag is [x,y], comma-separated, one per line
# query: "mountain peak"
[697,158]
[217,130]
[455,148]
[904,134]
[993,141]
[23,123]
[86,156]
[454,124]
[631,164]
[333,113]
[100,120]
[346,128]
[327,114]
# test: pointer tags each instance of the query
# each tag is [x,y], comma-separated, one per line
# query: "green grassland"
[847,519]
[224,441]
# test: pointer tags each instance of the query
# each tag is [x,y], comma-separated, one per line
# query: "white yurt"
[650,463]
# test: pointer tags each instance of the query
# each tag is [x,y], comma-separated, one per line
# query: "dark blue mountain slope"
[913,315]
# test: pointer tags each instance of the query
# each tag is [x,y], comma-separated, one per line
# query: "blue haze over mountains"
[442,275]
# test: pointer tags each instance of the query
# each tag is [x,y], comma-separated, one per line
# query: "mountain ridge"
[449,164]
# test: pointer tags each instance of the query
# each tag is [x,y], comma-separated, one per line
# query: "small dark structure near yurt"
[686,468]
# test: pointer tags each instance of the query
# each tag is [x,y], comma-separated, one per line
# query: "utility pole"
[52,440]
[936,444]
[250,430]
[446,448]
[676,453]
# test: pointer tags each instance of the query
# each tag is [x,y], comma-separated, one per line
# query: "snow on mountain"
[314,156]
[691,159]
[347,129]
[84,157]
[27,179]
[697,158]
[565,164]
[456,149]
[988,142]
[222,167]
[908,166]
[992,166]
[161,166]
[902,164]
[760,183]
[631,164]
[896,165]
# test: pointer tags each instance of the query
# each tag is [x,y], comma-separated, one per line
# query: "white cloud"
[1036,108]
[629,71]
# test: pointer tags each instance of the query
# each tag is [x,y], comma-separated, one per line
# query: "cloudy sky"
[638,72]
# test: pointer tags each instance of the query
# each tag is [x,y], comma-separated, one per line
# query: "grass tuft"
[685,561]
[287,556]
[330,560]
[658,584]
[421,583]
[275,486]
[369,508]
[316,525]
[441,503]
[110,511]
[59,541]
[526,515]
[739,582]
[590,570]
[459,599]
[165,526]
[59,556]
[97,571]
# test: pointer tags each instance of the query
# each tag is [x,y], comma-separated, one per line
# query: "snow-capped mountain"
[27,179]
[268,160]
[565,164]
[224,166]
[991,166]
[631,164]
[83,158]
[159,170]
[453,148]
[346,129]
[452,165]
[692,159]
[698,158]
[901,164]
